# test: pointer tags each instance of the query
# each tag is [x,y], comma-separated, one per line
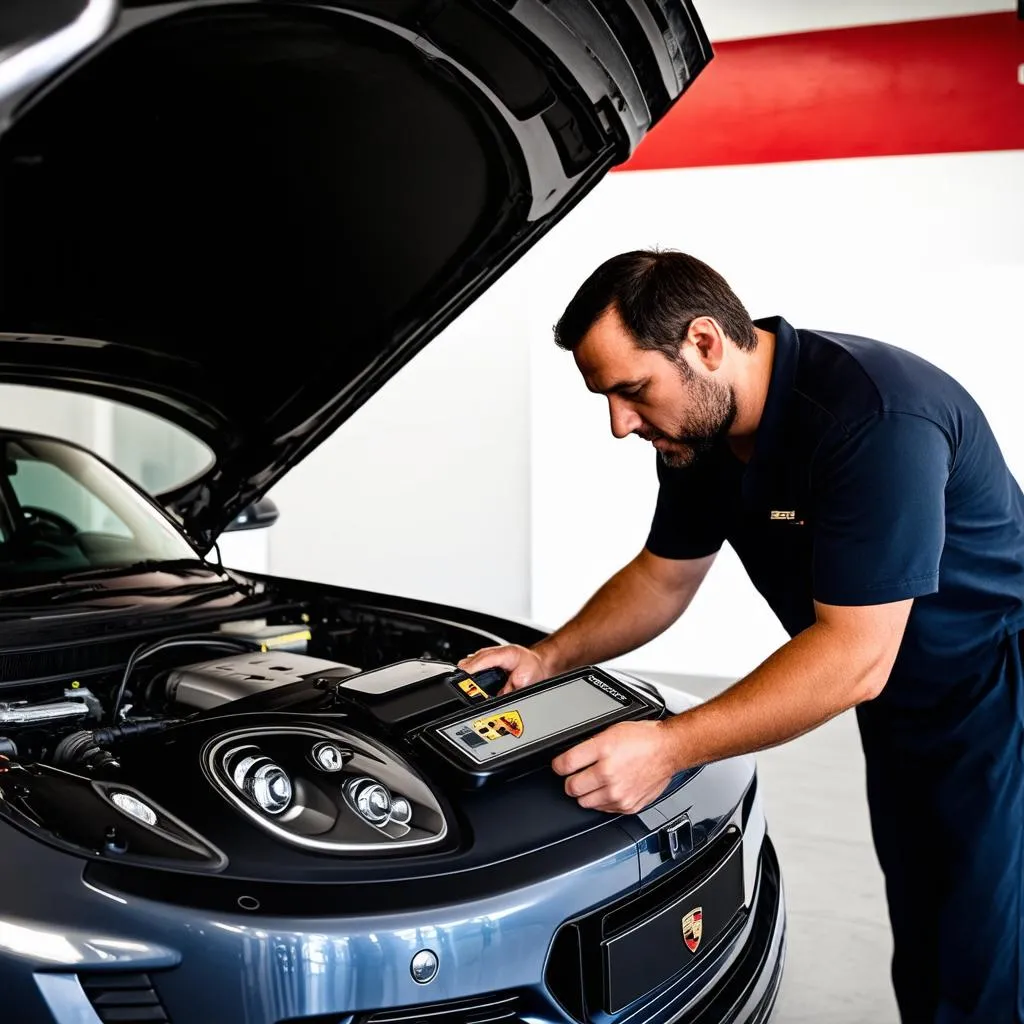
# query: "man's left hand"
[620,770]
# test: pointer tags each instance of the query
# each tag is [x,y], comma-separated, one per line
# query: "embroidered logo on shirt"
[785,515]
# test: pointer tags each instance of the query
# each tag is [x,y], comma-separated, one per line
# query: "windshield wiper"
[69,593]
[146,565]
[194,594]
[79,578]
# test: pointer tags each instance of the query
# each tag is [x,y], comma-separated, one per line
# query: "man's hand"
[622,769]
[524,666]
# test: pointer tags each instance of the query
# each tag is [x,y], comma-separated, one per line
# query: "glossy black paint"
[330,182]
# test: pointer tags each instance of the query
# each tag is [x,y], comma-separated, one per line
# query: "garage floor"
[837,966]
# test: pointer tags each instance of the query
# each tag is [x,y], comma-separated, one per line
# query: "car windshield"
[152,452]
[63,511]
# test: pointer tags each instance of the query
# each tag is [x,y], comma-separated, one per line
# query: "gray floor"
[837,968]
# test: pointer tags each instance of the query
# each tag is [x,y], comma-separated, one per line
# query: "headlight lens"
[133,807]
[401,811]
[372,800]
[266,784]
[270,788]
[329,757]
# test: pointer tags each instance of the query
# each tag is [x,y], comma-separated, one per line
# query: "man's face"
[680,407]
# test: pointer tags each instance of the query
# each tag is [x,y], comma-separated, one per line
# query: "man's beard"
[712,412]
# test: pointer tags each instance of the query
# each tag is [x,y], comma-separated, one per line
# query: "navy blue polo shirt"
[875,477]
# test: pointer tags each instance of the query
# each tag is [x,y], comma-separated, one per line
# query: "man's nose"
[624,419]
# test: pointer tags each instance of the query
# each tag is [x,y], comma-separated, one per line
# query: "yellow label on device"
[508,723]
[471,689]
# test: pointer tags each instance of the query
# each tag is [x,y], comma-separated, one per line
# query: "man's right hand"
[523,665]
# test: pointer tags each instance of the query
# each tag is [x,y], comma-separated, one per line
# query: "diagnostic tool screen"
[531,718]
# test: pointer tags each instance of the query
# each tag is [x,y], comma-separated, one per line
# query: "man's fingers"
[512,684]
[604,798]
[522,665]
[597,800]
[600,800]
[521,676]
[607,798]
[489,657]
[587,781]
[482,658]
[577,758]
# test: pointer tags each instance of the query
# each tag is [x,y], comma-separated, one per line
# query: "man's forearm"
[802,685]
[630,609]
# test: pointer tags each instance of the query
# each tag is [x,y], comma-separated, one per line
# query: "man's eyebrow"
[622,385]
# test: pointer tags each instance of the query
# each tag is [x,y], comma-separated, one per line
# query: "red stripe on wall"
[942,86]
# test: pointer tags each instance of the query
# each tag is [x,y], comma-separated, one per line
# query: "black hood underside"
[245,217]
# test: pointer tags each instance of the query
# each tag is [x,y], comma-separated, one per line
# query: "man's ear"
[708,339]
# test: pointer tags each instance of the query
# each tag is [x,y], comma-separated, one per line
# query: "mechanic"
[868,500]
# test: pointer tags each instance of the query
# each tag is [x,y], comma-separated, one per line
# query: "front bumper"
[252,976]
[74,952]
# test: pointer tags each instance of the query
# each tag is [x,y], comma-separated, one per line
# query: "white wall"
[747,19]
[423,492]
[925,252]
[247,550]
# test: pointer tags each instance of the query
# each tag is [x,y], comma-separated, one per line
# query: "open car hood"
[246,216]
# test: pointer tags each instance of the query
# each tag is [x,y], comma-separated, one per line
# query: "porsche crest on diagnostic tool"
[471,689]
[693,926]
[508,723]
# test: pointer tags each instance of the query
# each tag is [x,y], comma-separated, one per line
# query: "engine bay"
[256,745]
[121,688]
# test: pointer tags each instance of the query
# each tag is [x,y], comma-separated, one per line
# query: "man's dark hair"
[658,294]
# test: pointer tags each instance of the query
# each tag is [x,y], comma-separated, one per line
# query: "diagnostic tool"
[408,693]
[520,731]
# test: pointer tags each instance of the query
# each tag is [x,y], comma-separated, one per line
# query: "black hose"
[81,750]
[126,730]
[85,749]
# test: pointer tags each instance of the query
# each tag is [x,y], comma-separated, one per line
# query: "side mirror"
[257,516]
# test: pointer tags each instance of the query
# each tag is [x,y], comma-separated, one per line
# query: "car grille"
[576,971]
[497,1008]
[124,998]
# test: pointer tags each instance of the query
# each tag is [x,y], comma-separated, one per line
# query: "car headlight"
[265,783]
[329,757]
[101,819]
[133,806]
[371,799]
[323,788]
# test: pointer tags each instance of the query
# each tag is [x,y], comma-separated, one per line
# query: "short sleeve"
[879,511]
[687,519]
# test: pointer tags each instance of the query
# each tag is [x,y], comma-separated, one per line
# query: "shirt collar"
[780,386]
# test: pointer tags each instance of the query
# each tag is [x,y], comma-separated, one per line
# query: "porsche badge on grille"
[692,928]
